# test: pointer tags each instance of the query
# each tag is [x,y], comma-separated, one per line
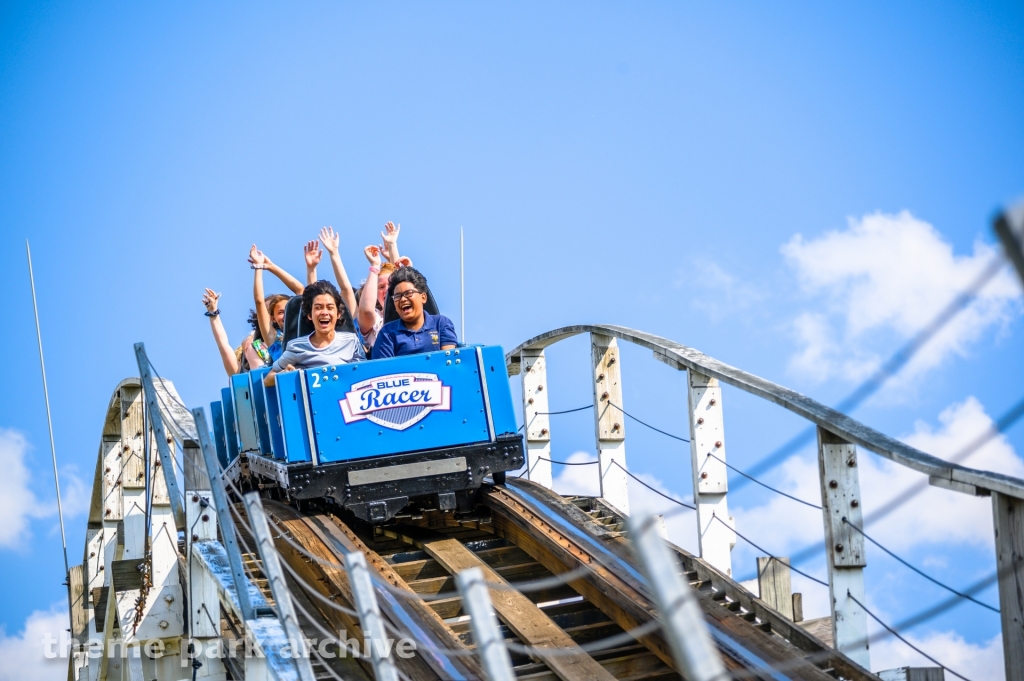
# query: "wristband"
[212,314]
[374,269]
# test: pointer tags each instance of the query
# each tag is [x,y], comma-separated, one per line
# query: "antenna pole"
[49,419]
[462,282]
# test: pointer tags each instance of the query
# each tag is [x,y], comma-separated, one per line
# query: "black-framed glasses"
[405,294]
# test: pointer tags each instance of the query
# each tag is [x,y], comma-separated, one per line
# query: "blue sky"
[649,166]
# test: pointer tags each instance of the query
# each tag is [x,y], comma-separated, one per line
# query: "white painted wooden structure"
[129,622]
[715,535]
[844,545]
[535,412]
[610,421]
[839,438]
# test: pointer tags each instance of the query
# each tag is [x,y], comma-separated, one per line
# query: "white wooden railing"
[838,439]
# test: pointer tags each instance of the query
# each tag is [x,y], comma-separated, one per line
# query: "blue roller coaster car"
[374,436]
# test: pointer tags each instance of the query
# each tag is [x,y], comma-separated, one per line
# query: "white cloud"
[879,282]
[721,294]
[24,654]
[984,661]
[18,503]
[937,516]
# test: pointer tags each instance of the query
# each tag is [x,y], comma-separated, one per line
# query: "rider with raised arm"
[270,313]
[321,304]
[415,330]
[330,239]
[240,359]
[375,290]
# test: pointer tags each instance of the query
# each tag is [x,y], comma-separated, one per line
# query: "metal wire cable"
[897,635]
[659,430]
[896,362]
[568,463]
[753,479]
[564,411]
[312,620]
[674,501]
[595,646]
[529,586]
[919,571]
[767,553]
[1004,422]
[535,585]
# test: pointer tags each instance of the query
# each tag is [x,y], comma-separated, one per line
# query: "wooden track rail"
[524,538]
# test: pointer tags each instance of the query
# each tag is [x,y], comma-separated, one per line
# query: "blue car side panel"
[259,409]
[402,404]
[218,433]
[230,434]
[274,423]
[294,428]
[503,415]
[242,402]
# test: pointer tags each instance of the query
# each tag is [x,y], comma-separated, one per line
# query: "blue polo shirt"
[394,340]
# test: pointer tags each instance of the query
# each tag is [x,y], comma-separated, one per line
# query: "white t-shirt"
[301,354]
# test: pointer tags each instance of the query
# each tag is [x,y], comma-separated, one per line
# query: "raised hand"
[312,253]
[390,233]
[404,261]
[384,253]
[329,238]
[372,254]
[257,260]
[210,300]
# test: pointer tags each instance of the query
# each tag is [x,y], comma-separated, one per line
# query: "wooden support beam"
[775,586]
[79,607]
[537,423]
[609,421]
[1008,514]
[133,471]
[622,601]
[612,585]
[710,480]
[841,507]
[327,537]
[522,616]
